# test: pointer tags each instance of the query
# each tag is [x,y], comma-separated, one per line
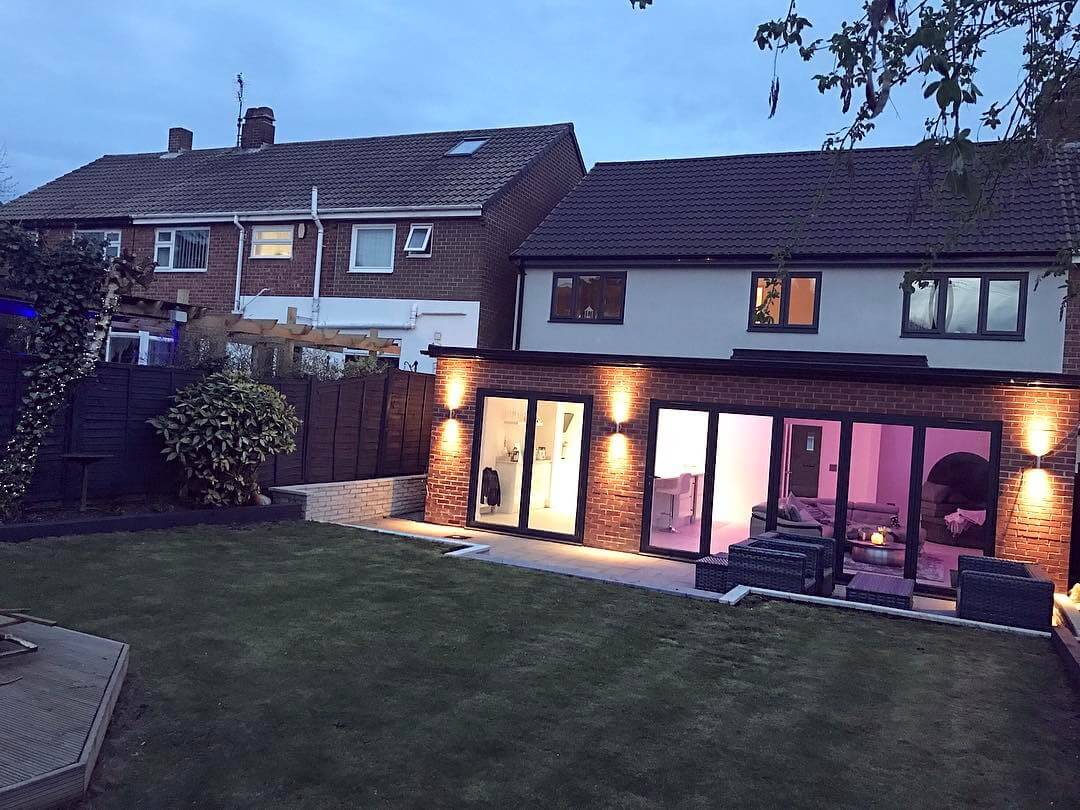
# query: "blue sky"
[683,78]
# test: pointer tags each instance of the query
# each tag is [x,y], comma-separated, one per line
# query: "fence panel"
[350,429]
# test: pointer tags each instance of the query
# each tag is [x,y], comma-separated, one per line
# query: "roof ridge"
[522,128]
[792,153]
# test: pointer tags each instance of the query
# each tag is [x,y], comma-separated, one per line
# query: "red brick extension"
[1034,509]
[470,257]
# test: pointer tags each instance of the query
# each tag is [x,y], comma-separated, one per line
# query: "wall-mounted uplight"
[620,409]
[455,396]
[1039,440]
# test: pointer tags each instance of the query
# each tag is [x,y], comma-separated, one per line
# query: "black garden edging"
[233,515]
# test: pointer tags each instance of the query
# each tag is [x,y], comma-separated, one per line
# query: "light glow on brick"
[1039,437]
[455,393]
[1037,487]
[620,406]
[619,451]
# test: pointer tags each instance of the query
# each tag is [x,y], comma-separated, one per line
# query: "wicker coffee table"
[881,589]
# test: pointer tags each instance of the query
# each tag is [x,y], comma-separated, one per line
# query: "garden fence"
[362,427]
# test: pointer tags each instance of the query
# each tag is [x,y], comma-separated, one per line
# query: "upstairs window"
[271,242]
[372,249]
[182,249]
[588,297]
[111,241]
[967,305]
[788,304]
[418,242]
[467,146]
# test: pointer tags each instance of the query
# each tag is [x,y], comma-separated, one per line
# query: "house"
[409,235]
[671,393]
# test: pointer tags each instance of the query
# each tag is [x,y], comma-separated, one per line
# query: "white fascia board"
[286,215]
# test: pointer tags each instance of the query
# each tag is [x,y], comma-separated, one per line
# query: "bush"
[220,430]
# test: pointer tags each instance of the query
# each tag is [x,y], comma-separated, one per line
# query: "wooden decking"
[55,705]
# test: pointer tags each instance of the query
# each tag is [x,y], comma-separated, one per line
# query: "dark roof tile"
[868,202]
[391,171]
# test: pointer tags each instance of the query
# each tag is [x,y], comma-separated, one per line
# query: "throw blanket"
[959,520]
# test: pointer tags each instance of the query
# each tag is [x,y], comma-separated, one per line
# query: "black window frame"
[981,332]
[785,298]
[604,276]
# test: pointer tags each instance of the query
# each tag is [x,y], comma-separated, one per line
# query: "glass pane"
[123,349]
[159,352]
[272,251]
[801,300]
[878,487]
[588,297]
[741,488]
[282,235]
[417,239]
[922,308]
[467,146]
[163,256]
[190,248]
[562,306]
[767,301]
[1003,305]
[809,463]
[499,471]
[164,236]
[956,485]
[962,306]
[553,498]
[614,291]
[374,248]
[678,479]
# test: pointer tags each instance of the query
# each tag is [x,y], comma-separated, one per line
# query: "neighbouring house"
[669,395]
[407,235]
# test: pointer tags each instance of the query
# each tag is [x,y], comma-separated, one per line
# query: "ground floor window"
[139,348]
[901,497]
[530,458]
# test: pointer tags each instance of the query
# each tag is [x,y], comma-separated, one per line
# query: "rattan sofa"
[828,554]
[1007,592]
[779,565]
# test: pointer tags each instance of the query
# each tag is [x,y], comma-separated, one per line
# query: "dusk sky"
[684,78]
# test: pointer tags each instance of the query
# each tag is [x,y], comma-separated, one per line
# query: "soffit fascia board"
[286,215]
[933,375]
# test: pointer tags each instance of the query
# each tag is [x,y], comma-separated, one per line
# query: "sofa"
[860,515]
[989,589]
[957,481]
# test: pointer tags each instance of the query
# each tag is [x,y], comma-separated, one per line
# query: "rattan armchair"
[778,565]
[1007,592]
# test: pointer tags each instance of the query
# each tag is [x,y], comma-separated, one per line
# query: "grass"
[306,665]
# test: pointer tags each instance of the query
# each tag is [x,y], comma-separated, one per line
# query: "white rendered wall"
[690,312]
[451,323]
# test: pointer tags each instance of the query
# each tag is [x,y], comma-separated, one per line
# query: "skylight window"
[467,146]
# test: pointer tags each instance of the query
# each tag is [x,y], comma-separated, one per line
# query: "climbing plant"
[74,289]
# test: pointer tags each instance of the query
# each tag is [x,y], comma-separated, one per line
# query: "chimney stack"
[180,139]
[258,128]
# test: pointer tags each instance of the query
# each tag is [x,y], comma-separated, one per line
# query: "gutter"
[315,300]
[285,214]
[239,263]
[519,305]
[860,372]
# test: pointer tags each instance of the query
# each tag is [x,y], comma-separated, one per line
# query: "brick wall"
[1034,508]
[509,219]
[355,501]
[1071,354]
[470,256]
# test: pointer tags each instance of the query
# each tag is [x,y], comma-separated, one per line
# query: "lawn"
[306,665]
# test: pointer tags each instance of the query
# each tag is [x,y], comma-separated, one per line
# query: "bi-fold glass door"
[707,479]
[530,462]
[903,498]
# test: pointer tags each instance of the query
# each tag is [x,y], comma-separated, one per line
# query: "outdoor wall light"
[455,395]
[620,409]
[1038,441]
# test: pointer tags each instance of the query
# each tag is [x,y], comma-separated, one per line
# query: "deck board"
[52,718]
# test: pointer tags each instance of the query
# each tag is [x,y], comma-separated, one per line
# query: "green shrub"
[220,430]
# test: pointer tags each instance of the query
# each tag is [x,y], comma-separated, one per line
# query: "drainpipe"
[239,262]
[318,256]
[519,302]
